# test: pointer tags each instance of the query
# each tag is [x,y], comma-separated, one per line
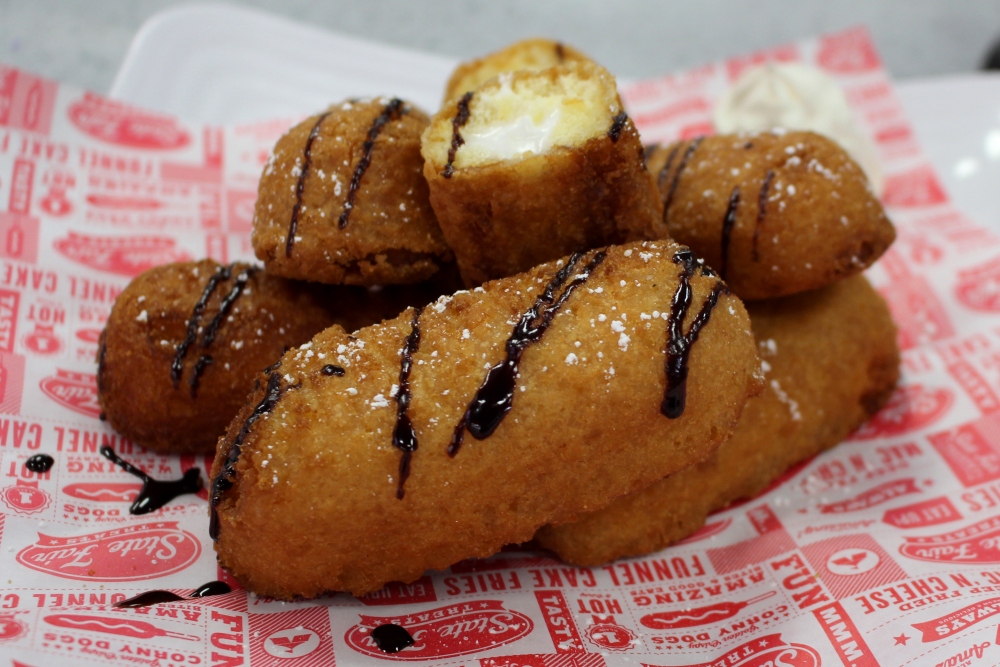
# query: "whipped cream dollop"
[794,96]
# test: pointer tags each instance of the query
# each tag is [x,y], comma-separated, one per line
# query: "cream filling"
[524,134]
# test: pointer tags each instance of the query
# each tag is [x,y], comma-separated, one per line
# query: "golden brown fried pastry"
[529,54]
[185,341]
[830,362]
[449,432]
[774,213]
[533,166]
[343,199]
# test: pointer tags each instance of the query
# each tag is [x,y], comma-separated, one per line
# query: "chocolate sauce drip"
[332,369]
[679,344]
[761,210]
[662,176]
[155,493]
[300,186]
[100,365]
[239,285]
[177,367]
[648,150]
[393,110]
[150,598]
[617,125]
[39,463]
[199,368]
[560,51]
[692,147]
[210,589]
[391,638]
[224,480]
[727,228]
[404,438]
[460,119]
[495,395]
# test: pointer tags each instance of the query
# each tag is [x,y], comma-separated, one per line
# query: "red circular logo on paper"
[43,340]
[76,391]
[445,632]
[979,287]
[909,409]
[124,255]
[120,124]
[25,499]
[133,553]
[611,636]
[11,628]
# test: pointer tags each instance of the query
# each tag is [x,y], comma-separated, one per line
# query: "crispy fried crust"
[508,216]
[831,362]
[800,213]
[529,54]
[381,232]
[312,506]
[150,319]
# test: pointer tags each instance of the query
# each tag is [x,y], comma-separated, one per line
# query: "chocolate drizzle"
[155,493]
[404,438]
[495,396]
[661,178]
[211,588]
[212,329]
[617,125]
[679,344]
[199,368]
[150,598]
[692,147]
[728,221]
[761,209]
[459,121]
[332,369]
[100,364]
[391,638]
[224,480]
[300,186]
[177,367]
[39,463]
[393,110]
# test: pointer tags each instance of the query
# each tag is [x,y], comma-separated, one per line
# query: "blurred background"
[84,41]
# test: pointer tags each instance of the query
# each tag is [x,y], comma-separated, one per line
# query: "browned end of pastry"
[532,166]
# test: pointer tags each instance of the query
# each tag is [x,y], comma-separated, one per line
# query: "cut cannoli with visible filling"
[532,166]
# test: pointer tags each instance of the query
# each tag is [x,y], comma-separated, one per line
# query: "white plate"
[223,64]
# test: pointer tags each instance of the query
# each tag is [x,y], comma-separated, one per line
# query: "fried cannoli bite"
[453,430]
[530,54]
[830,362]
[775,213]
[185,341]
[342,199]
[533,166]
